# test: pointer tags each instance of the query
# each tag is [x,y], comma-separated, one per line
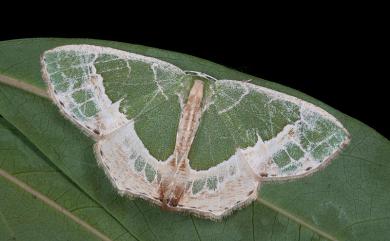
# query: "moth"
[182,139]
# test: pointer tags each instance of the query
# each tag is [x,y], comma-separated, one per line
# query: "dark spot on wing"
[62,103]
[249,193]
[96,132]
[291,132]
[101,152]
[307,169]
[263,174]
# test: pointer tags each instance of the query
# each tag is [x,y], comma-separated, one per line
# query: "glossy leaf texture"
[52,189]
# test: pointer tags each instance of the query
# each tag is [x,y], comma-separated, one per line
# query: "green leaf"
[348,200]
[38,202]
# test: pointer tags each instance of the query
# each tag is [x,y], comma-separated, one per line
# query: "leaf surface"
[348,200]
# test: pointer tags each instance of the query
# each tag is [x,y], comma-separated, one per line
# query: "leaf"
[348,200]
[37,199]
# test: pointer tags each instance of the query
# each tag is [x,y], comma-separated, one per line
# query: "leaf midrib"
[23,85]
[39,92]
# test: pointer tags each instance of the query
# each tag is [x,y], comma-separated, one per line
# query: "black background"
[338,60]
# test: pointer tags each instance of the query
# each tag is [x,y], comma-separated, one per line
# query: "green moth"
[182,139]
